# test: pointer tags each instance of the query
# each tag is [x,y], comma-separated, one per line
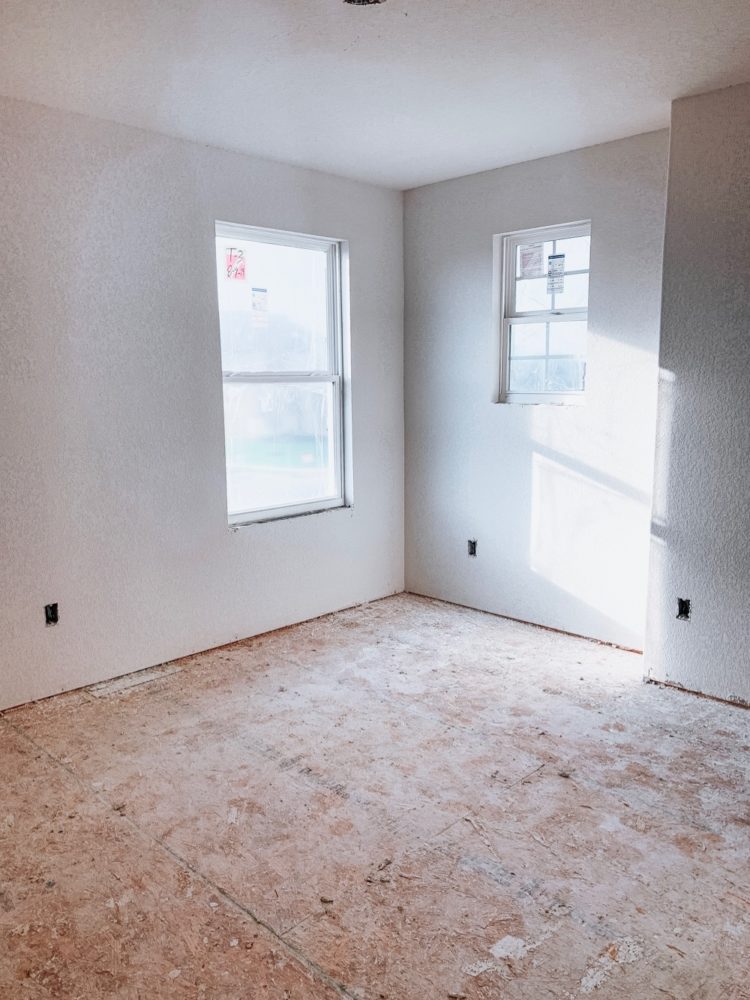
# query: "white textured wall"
[701,528]
[559,498]
[112,492]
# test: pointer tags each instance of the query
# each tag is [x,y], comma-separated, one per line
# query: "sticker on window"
[555,273]
[259,306]
[235,263]
[532,265]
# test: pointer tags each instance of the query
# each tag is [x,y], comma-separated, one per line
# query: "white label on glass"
[555,273]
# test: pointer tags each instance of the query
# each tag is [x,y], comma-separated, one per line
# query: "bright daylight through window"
[281,347]
[545,298]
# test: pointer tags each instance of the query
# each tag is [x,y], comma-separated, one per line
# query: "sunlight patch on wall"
[573,546]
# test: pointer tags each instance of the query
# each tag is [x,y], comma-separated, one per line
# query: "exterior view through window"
[545,299]
[281,347]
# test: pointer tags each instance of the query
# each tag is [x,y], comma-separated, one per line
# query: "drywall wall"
[701,525]
[558,497]
[112,489]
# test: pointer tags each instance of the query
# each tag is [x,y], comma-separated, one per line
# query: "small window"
[544,274]
[280,316]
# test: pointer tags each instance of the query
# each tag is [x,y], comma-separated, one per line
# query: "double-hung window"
[544,280]
[280,315]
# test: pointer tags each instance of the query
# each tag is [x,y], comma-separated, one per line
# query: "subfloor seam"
[312,967]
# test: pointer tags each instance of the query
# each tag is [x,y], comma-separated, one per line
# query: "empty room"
[374,500]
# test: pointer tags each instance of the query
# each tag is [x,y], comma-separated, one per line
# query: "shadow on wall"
[659,521]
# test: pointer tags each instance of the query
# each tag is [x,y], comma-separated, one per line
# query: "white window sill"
[544,399]
[250,518]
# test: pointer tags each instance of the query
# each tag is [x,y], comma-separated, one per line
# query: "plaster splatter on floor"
[407,800]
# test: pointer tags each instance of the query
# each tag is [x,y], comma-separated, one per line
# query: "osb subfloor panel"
[407,800]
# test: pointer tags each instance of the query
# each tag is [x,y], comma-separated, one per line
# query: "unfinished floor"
[407,800]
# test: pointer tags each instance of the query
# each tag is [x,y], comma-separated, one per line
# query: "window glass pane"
[528,339]
[575,294]
[577,252]
[531,295]
[568,338]
[526,376]
[279,443]
[273,306]
[565,375]
[522,253]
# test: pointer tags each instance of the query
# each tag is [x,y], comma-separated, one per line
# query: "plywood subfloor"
[407,800]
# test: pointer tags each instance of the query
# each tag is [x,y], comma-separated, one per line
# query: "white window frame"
[505,249]
[334,375]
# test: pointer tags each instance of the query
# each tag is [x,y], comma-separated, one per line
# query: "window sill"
[283,514]
[548,399]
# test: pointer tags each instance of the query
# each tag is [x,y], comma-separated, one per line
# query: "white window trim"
[504,261]
[334,250]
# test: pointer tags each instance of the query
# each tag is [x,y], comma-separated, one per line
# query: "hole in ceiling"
[363,3]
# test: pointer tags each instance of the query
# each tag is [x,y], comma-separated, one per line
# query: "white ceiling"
[402,93]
